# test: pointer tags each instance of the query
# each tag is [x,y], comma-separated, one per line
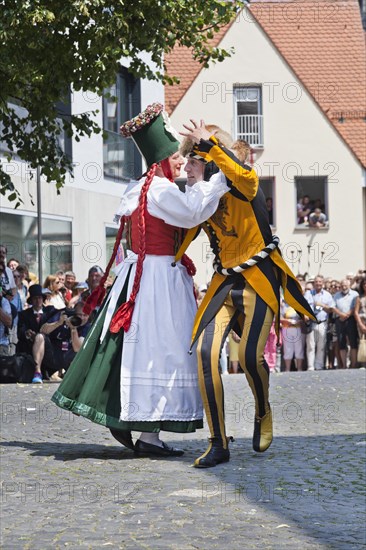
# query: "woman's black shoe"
[155,450]
[124,437]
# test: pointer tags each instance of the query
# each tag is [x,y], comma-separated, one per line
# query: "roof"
[179,62]
[323,43]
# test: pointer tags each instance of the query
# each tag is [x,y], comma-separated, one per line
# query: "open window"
[312,202]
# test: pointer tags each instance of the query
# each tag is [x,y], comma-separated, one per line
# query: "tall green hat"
[153,134]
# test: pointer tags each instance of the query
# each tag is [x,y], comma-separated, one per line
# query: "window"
[248,115]
[311,202]
[20,233]
[267,186]
[122,161]
[64,110]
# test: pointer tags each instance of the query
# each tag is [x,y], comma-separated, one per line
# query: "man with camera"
[322,302]
[66,331]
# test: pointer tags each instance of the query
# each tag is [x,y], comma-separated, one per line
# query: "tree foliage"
[46,45]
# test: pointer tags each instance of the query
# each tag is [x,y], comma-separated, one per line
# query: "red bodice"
[161,238]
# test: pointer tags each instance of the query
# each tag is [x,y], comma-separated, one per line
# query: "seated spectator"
[70,282]
[317,218]
[54,284]
[22,288]
[5,325]
[16,306]
[30,340]
[12,264]
[346,325]
[77,291]
[94,276]
[303,209]
[64,290]
[6,274]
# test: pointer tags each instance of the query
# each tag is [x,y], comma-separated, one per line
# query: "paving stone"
[66,483]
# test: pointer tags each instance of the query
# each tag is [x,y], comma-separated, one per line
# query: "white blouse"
[167,202]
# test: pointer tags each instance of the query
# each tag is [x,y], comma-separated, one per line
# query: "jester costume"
[244,295]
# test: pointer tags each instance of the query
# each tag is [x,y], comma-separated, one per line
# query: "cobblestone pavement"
[66,483]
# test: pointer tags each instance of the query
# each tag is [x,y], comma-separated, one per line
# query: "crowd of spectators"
[47,322]
[331,343]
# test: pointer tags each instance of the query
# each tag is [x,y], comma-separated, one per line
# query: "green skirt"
[91,386]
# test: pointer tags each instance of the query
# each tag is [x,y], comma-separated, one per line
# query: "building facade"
[77,226]
[305,122]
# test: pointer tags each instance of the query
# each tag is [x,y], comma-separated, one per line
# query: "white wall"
[297,140]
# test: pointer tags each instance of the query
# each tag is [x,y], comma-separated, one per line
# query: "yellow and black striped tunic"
[238,230]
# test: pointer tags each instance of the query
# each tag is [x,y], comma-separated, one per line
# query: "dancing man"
[244,293]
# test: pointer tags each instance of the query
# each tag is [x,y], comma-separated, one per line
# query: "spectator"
[94,276]
[5,325]
[270,350]
[317,219]
[77,292]
[269,205]
[66,333]
[16,307]
[70,281]
[22,289]
[65,292]
[12,264]
[322,302]
[234,341]
[346,326]
[360,309]
[303,209]
[54,284]
[332,338]
[6,275]
[29,338]
[293,340]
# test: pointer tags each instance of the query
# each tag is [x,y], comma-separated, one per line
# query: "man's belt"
[254,260]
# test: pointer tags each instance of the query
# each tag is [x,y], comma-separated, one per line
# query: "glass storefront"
[19,232]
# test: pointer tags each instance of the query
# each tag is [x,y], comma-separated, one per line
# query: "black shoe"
[263,432]
[215,454]
[124,437]
[155,450]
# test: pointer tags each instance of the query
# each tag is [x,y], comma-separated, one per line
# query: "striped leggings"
[247,307]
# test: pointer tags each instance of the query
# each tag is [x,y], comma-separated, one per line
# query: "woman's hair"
[361,290]
[167,171]
[48,283]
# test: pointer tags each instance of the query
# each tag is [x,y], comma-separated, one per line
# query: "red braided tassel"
[96,297]
[189,265]
[123,316]
[94,300]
